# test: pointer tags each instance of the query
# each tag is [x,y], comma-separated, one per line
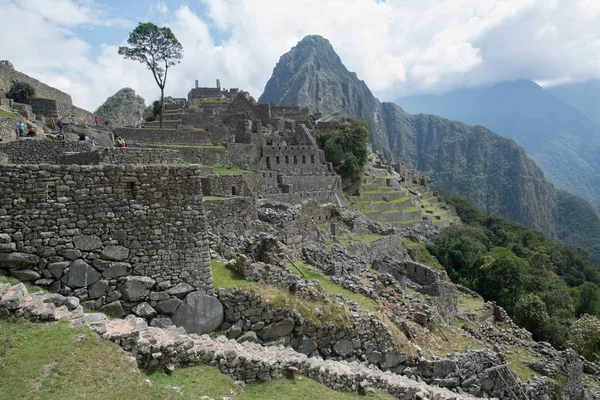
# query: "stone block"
[98,289]
[180,289]
[199,313]
[114,309]
[26,275]
[81,274]
[115,253]
[134,288]
[57,269]
[277,330]
[18,260]
[168,306]
[87,242]
[116,270]
[144,310]
[70,254]
[343,347]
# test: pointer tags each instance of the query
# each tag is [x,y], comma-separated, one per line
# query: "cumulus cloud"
[398,47]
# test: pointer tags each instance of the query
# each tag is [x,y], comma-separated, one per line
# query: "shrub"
[21,92]
[584,337]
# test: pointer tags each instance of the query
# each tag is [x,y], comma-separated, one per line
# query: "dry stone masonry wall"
[40,151]
[120,238]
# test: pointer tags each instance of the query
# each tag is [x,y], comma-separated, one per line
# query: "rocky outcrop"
[123,108]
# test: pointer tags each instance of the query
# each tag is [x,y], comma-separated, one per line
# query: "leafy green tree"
[501,277]
[346,148]
[584,337]
[20,92]
[156,47]
[588,298]
[530,312]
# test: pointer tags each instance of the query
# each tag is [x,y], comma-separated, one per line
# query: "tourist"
[87,139]
[94,144]
[31,132]
[59,127]
[96,120]
[119,141]
[21,127]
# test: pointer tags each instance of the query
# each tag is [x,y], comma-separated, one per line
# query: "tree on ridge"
[158,48]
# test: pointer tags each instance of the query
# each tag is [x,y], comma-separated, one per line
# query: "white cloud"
[398,47]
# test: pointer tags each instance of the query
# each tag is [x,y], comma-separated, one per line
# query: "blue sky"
[399,47]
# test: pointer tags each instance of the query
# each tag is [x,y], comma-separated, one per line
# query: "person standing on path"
[21,127]
[97,120]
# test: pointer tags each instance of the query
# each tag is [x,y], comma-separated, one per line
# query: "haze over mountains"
[562,139]
[492,171]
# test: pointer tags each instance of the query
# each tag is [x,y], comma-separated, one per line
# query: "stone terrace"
[171,347]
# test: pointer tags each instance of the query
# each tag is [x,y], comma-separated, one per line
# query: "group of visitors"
[120,142]
[21,129]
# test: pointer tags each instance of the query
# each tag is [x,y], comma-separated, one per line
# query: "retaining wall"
[120,238]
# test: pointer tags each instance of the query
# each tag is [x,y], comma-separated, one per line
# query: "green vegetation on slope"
[544,285]
[53,361]
[346,148]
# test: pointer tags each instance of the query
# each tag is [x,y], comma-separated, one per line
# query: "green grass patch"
[517,357]
[421,255]
[53,361]
[367,238]
[469,303]
[223,170]
[225,278]
[388,212]
[330,287]
[214,198]
[8,114]
[15,281]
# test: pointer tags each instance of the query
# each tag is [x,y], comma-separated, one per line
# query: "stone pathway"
[173,347]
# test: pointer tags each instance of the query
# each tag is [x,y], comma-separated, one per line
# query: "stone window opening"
[234,191]
[277,159]
[295,159]
[303,159]
[268,162]
[287,160]
[312,159]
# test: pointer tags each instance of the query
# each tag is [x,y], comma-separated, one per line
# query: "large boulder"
[81,275]
[199,313]
[134,288]
[18,260]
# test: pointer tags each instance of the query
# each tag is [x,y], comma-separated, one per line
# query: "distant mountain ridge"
[493,172]
[558,136]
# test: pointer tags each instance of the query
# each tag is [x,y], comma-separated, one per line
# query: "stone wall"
[214,156]
[33,151]
[230,215]
[125,155]
[162,136]
[428,280]
[225,185]
[9,74]
[321,197]
[45,107]
[120,238]
[245,156]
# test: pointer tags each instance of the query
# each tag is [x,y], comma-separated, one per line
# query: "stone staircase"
[172,347]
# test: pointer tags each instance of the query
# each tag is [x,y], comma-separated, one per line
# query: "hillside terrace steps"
[172,347]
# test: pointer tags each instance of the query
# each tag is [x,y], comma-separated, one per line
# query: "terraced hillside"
[387,198]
